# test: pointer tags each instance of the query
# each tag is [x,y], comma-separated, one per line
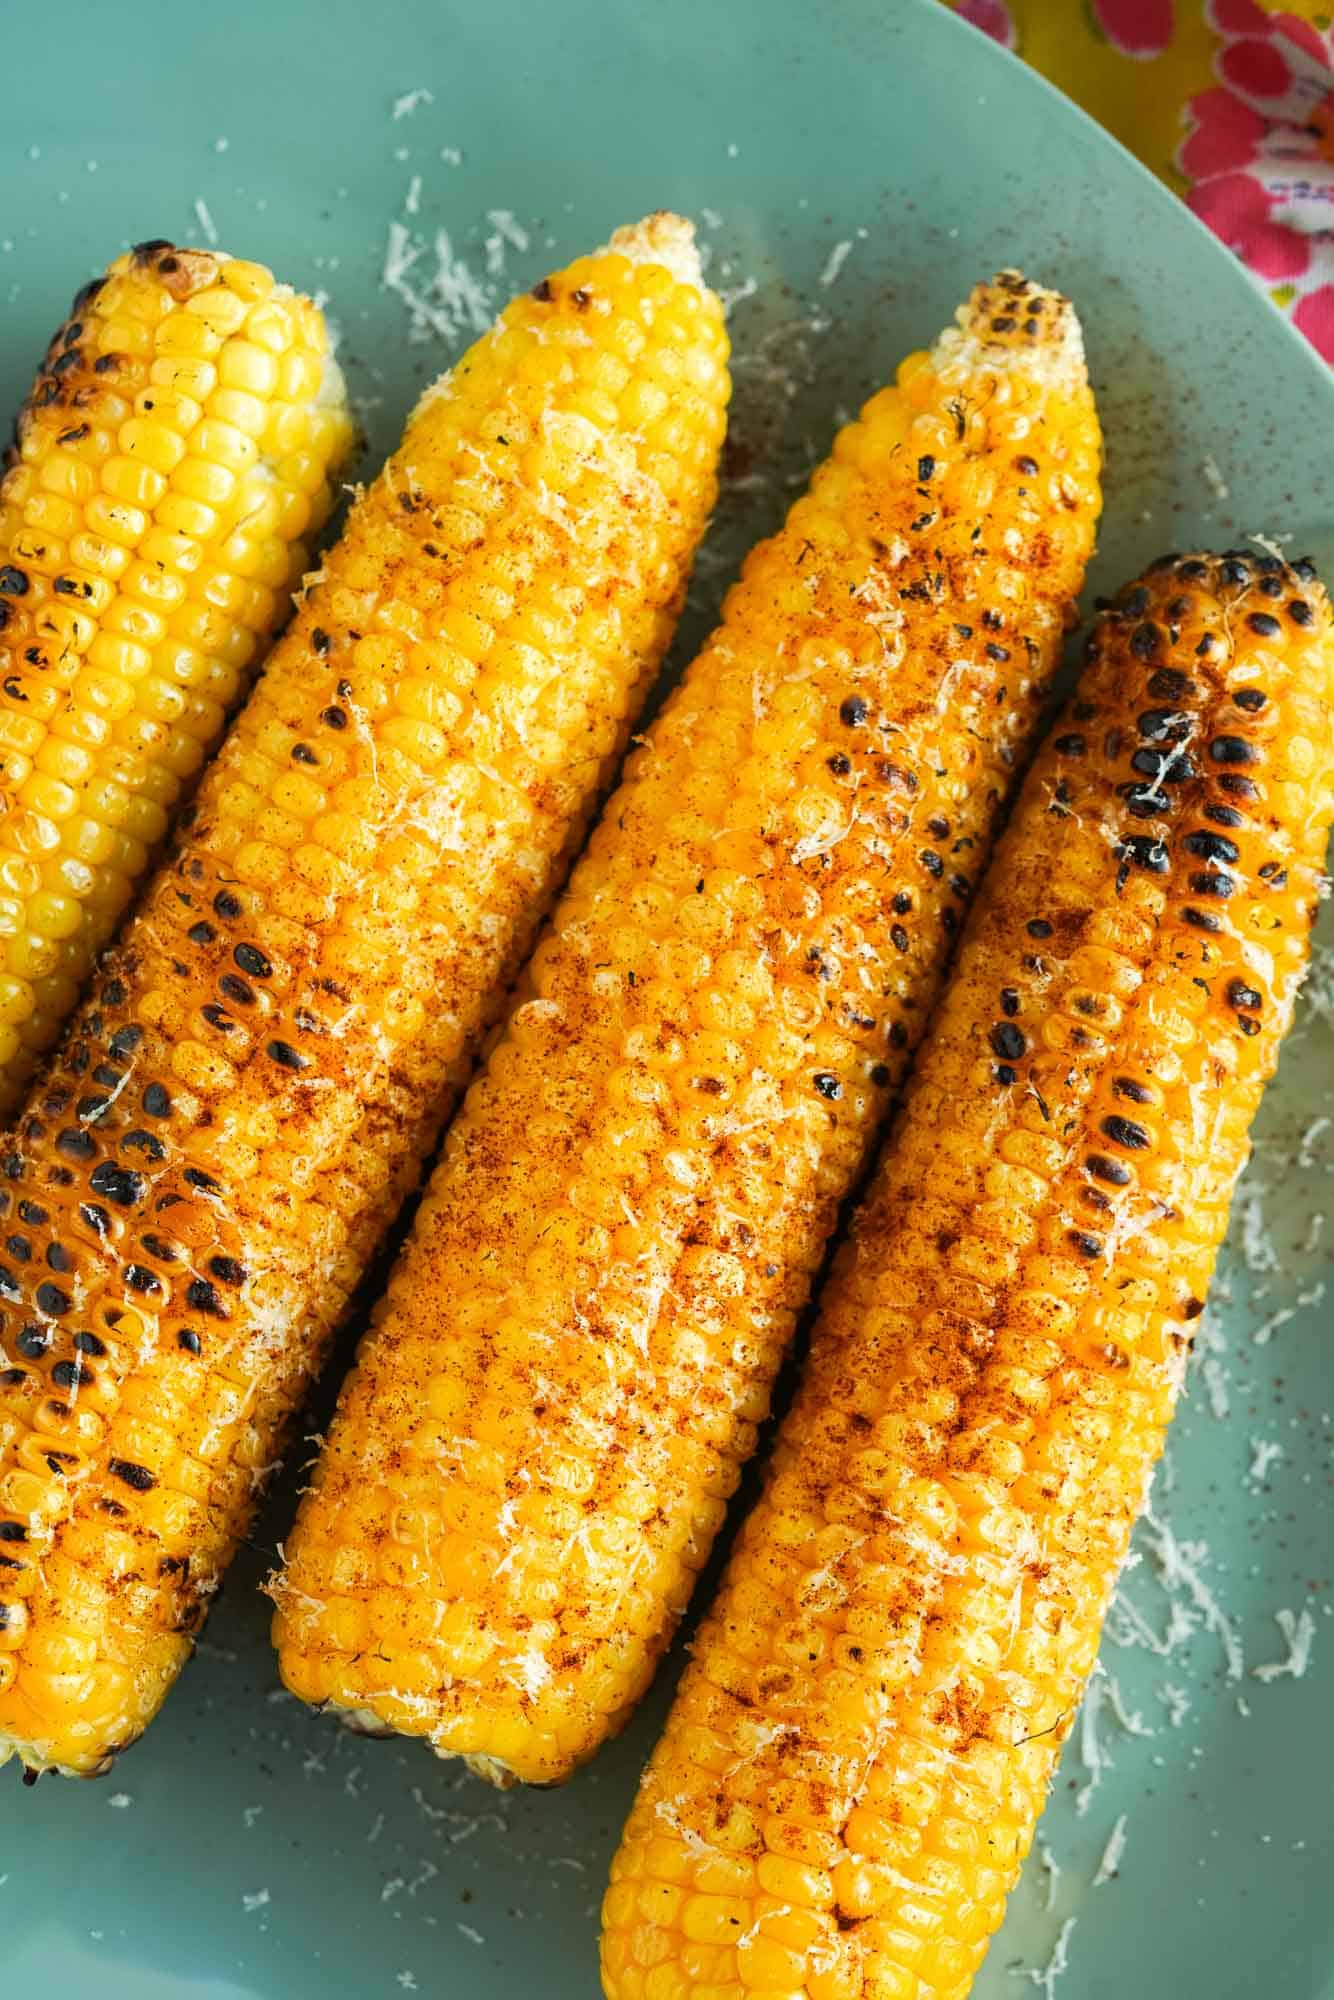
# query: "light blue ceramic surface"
[248,1851]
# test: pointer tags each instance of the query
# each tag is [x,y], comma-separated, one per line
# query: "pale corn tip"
[1013,322]
[662,238]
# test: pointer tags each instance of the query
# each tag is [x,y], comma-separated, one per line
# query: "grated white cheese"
[205,220]
[1046,1976]
[835,261]
[1215,1382]
[1175,1700]
[473,1936]
[1298,1629]
[409,102]
[1264,1453]
[1051,1868]
[1218,486]
[259,1900]
[120,1800]
[1112,1853]
[1311,1296]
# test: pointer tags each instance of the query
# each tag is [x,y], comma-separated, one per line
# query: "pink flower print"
[1139,28]
[1227,134]
[1240,210]
[993,17]
[1313,315]
[1256,69]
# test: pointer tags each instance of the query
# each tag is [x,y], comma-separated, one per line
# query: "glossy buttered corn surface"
[169,469]
[241,1104]
[536,1449]
[860,1748]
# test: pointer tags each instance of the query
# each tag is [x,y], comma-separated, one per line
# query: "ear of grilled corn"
[859,1750]
[536,1448]
[238,1109]
[169,469]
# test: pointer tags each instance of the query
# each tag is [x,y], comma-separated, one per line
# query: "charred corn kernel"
[85,492]
[638,1190]
[250,1089]
[1013,1417]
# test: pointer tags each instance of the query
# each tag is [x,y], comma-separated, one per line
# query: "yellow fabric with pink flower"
[1231,102]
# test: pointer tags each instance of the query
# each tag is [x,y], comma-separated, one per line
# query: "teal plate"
[854,170]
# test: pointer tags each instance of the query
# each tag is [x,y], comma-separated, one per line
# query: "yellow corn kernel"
[962,1739]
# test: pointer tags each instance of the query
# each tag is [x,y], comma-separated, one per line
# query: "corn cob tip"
[1010,321]
[662,238]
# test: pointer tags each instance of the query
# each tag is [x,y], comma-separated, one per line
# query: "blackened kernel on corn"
[938,827]
[19,1248]
[1273,876]
[1251,699]
[1301,613]
[333,717]
[1240,994]
[202,1296]
[898,937]
[827,1084]
[13,1531]
[52,1300]
[76,1144]
[217,1017]
[140,1278]
[9,1285]
[960,886]
[289,1058]
[156,1100]
[197,1178]
[1008,1041]
[932,862]
[229,1270]
[1125,1132]
[1213,882]
[1201,920]
[33,1214]
[1264,624]
[121,1185]
[71,1374]
[897,1035]
[1211,846]
[32,1342]
[1157,725]
[110,1078]
[253,961]
[130,1474]
[237,989]
[1038,927]
[227,905]
[839,764]
[1104,1168]
[1071,745]
[1248,1024]
[1233,750]
[58,1257]
[881,1075]
[201,933]
[1170,684]
[853,711]
[902,903]
[1009,1000]
[88,1343]
[1145,641]
[140,1141]
[1085,1244]
[157,1247]
[1237,785]
[1005,1074]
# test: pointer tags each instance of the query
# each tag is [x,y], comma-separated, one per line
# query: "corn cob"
[858,1753]
[536,1449]
[169,469]
[249,1091]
